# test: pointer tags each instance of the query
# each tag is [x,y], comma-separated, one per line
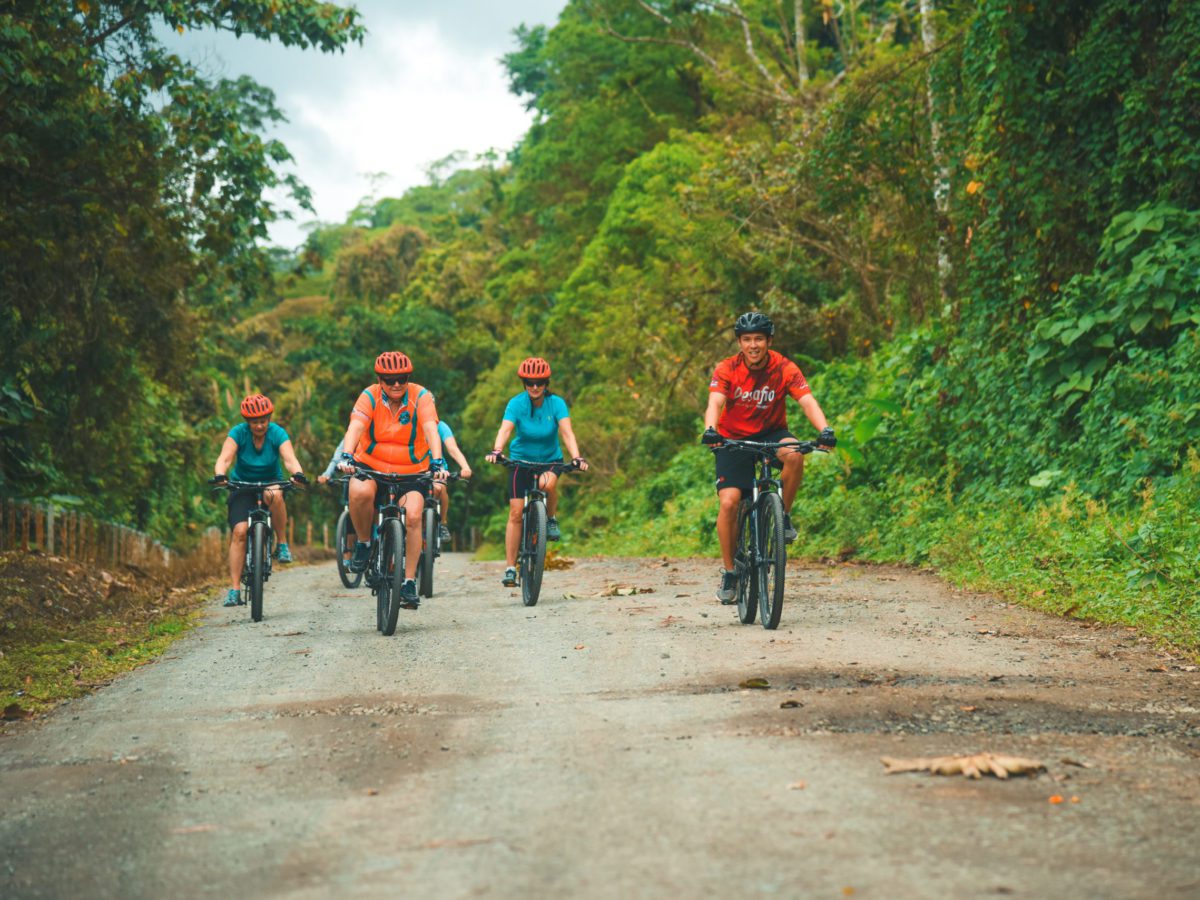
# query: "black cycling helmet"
[753,323]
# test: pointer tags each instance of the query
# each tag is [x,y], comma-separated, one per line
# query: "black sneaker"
[510,577]
[789,532]
[408,595]
[552,532]
[362,553]
[727,593]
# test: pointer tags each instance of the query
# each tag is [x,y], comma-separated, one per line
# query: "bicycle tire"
[392,569]
[772,567]
[533,553]
[258,547]
[429,527]
[744,553]
[349,579]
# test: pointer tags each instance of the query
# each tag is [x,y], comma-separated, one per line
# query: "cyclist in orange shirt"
[747,401]
[393,428]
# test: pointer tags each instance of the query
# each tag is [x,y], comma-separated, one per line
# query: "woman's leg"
[414,508]
[512,531]
[237,554]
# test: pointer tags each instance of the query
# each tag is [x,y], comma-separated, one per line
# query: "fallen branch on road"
[972,766]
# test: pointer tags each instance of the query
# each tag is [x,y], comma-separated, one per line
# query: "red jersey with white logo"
[755,398]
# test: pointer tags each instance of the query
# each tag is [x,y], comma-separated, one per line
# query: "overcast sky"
[427,81]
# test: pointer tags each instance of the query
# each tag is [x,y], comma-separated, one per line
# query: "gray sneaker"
[408,595]
[444,534]
[510,577]
[789,531]
[552,532]
[727,593]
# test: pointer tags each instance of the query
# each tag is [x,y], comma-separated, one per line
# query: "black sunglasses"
[393,380]
[541,382]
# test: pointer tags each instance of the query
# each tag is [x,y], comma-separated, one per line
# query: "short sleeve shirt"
[444,433]
[253,464]
[756,398]
[536,435]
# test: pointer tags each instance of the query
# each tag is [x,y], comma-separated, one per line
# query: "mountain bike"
[760,554]
[431,540]
[385,565]
[345,543]
[531,554]
[260,537]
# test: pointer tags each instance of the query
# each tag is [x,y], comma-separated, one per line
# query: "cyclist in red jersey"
[747,401]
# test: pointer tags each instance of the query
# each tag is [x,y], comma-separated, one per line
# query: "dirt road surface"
[601,746]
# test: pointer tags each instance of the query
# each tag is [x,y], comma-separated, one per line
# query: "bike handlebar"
[555,467]
[767,448]
[231,485]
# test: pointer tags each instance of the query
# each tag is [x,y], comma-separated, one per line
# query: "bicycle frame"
[389,509]
[760,559]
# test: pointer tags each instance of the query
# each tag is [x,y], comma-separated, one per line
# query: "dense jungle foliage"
[976,225]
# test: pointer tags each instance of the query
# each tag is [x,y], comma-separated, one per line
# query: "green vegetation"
[977,227]
[49,664]
[66,627]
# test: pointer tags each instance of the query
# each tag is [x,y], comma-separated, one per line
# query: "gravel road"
[602,746]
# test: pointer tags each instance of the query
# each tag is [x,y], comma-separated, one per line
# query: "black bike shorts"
[522,480]
[735,468]
[239,505]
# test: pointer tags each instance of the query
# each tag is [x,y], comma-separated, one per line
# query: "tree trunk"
[941,171]
[801,65]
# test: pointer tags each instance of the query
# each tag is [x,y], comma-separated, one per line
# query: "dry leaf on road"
[758,683]
[971,766]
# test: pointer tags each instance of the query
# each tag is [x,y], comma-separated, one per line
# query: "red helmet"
[257,405]
[393,362]
[534,367]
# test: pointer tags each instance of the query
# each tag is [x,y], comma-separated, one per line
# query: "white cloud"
[412,98]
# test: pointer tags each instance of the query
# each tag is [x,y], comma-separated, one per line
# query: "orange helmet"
[392,362]
[257,405]
[534,367]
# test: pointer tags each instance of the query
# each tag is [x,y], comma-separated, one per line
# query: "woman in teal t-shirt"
[538,418]
[255,448]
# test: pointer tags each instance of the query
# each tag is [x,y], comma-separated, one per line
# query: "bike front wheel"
[772,562]
[391,565]
[258,568]
[533,552]
[743,560]
[345,550]
[429,536]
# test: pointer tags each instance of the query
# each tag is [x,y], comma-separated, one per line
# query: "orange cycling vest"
[395,442]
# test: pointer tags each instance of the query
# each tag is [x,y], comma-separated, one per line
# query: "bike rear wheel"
[772,565]
[743,561]
[391,565]
[533,552]
[429,536]
[258,568]
[345,550]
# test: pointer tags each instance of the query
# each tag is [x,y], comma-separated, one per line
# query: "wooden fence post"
[325,535]
[308,533]
[39,529]
[50,517]
[291,530]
